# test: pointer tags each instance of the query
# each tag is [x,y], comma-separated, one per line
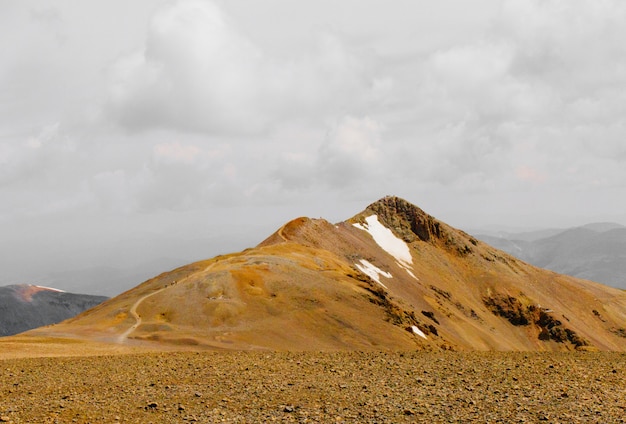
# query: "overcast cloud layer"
[128,122]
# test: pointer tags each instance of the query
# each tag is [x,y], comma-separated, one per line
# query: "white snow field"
[388,241]
[373,271]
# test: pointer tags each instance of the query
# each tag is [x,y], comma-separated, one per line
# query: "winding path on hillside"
[133,309]
[133,312]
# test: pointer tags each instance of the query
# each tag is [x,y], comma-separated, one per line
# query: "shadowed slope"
[25,306]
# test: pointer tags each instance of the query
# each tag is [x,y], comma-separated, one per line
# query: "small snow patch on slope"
[50,289]
[373,271]
[410,273]
[418,331]
[388,241]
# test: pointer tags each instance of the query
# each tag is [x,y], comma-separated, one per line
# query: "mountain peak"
[404,218]
[390,277]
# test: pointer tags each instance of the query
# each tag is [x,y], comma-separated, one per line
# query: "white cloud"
[347,158]
[352,152]
[192,105]
[35,158]
[356,138]
[199,72]
[177,152]
[540,92]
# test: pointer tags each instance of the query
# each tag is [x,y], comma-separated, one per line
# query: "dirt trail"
[133,310]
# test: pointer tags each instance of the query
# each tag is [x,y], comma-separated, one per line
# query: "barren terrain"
[391,316]
[392,277]
[316,387]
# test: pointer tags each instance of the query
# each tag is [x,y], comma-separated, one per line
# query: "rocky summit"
[392,277]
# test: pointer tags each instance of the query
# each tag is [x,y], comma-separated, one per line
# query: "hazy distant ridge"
[594,251]
[24,307]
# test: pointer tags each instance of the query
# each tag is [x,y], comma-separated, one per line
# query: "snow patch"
[410,273]
[388,241]
[373,271]
[51,289]
[417,331]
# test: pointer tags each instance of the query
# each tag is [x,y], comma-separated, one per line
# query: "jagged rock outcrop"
[406,219]
[519,314]
[411,223]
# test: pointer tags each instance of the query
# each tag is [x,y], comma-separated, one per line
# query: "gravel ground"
[244,387]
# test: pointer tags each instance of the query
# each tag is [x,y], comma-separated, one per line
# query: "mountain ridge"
[314,285]
[595,251]
[27,306]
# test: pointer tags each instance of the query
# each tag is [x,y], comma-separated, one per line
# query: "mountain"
[601,227]
[595,251]
[391,277]
[24,307]
[515,235]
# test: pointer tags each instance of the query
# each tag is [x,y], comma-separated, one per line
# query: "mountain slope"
[391,277]
[596,252]
[24,307]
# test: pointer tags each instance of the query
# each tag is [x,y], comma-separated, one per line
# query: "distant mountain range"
[24,307]
[390,277]
[594,252]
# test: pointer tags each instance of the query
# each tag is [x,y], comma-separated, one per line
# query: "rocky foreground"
[368,387]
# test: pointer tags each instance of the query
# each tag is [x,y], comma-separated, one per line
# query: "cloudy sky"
[128,129]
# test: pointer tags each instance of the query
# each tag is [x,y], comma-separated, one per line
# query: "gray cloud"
[199,72]
[530,101]
[533,100]
[192,107]
[352,153]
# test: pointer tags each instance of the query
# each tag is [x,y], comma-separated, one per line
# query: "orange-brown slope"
[314,285]
[475,296]
[282,296]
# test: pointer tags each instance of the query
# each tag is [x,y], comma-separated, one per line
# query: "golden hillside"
[391,277]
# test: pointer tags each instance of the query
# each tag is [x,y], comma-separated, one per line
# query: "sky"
[160,132]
